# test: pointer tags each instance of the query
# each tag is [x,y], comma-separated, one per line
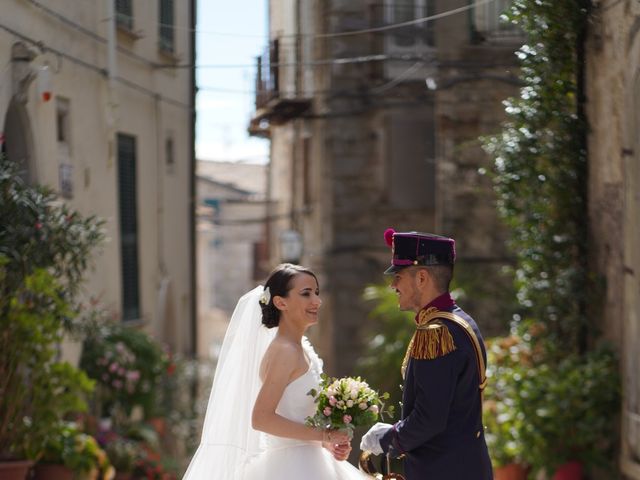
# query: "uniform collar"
[444,302]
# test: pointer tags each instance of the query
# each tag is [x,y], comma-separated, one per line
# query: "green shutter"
[128,207]
[167,24]
[124,14]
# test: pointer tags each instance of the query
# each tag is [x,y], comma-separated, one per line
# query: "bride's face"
[302,304]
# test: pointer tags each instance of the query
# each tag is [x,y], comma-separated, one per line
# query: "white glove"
[371,440]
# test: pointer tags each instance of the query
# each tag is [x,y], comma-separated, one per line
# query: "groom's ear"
[422,276]
[279,302]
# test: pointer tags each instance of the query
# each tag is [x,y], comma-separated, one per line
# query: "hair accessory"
[265,297]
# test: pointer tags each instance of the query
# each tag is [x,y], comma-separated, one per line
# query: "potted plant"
[44,249]
[123,453]
[507,356]
[70,454]
[127,365]
[569,410]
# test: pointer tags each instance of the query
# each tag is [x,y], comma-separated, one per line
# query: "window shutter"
[124,14]
[412,162]
[167,24]
[128,226]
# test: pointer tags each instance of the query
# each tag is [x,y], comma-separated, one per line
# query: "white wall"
[162,192]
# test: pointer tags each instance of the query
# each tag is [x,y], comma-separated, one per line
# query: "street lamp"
[290,246]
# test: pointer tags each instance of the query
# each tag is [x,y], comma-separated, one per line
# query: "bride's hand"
[339,451]
[336,436]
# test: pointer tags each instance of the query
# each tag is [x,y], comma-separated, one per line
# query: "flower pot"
[568,471]
[512,471]
[50,471]
[123,476]
[15,470]
[159,424]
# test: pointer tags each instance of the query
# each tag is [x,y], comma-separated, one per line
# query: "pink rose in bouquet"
[347,403]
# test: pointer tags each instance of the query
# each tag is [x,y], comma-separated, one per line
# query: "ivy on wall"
[541,169]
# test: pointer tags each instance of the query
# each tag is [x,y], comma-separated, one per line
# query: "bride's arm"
[280,364]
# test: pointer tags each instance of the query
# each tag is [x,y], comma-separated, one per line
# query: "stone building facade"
[380,129]
[231,207]
[613,111]
[92,106]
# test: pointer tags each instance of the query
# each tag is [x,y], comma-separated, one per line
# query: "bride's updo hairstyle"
[279,284]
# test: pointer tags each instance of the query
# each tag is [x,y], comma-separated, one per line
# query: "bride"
[254,426]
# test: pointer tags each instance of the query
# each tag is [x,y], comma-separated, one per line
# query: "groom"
[441,435]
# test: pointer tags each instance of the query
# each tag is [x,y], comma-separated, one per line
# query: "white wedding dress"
[230,449]
[290,459]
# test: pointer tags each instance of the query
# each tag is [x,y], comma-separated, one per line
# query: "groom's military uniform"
[440,435]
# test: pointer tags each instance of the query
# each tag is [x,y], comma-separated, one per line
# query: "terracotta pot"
[15,470]
[49,471]
[568,471]
[159,425]
[512,471]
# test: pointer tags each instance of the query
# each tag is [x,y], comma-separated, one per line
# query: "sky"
[229,33]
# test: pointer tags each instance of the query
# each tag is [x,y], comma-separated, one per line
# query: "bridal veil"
[228,440]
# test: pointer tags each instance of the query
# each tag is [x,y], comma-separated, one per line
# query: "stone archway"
[18,140]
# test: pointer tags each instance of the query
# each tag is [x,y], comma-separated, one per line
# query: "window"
[65,168]
[167,26]
[487,22]
[169,154]
[307,178]
[127,193]
[401,11]
[411,153]
[124,14]
[62,120]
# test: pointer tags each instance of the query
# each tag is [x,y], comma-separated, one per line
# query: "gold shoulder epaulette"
[431,341]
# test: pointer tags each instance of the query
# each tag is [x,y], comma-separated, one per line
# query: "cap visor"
[394,269]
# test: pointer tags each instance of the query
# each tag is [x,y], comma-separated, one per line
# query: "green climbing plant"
[541,169]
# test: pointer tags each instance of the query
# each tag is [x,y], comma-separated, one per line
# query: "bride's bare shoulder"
[281,349]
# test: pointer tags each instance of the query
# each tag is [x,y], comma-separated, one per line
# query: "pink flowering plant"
[127,365]
[347,403]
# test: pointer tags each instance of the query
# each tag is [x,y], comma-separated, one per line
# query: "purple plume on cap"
[388,236]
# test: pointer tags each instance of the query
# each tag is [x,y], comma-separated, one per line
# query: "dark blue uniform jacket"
[441,433]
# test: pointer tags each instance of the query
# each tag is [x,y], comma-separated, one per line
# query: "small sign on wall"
[66,180]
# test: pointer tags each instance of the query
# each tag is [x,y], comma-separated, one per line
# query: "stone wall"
[613,103]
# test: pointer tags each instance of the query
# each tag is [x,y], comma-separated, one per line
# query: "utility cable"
[91,34]
[102,71]
[415,21]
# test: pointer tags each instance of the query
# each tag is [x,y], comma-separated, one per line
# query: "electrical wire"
[89,33]
[102,71]
[393,26]
[378,57]
[416,21]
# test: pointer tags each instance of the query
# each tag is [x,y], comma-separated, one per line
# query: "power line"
[94,68]
[415,21]
[378,57]
[70,23]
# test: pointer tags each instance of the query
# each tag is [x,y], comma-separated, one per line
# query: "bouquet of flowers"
[346,403]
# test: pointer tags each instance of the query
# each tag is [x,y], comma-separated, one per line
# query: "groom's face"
[404,283]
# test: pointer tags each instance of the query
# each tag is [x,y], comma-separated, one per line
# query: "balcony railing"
[276,104]
[267,87]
